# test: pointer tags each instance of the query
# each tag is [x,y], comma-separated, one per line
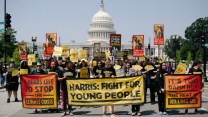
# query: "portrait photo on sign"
[51,39]
[137,41]
[22,50]
[158,30]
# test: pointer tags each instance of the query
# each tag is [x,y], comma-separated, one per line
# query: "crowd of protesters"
[66,69]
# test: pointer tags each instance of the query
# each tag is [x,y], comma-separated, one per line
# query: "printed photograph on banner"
[138,45]
[51,39]
[183,91]
[22,52]
[159,34]
[115,43]
[106,91]
[39,91]
[97,47]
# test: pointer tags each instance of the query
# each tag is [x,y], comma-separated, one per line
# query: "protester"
[38,70]
[12,83]
[149,75]
[97,69]
[108,71]
[196,69]
[68,73]
[160,88]
[54,70]
[132,72]
[2,77]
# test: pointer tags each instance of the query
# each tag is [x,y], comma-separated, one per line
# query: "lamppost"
[204,49]
[175,41]
[34,39]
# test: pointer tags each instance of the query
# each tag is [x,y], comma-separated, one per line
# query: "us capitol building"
[99,31]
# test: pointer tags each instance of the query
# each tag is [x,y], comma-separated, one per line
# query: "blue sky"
[71,18]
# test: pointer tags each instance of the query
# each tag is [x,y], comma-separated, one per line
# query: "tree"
[195,33]
[16,57]
[10,43]
[189,58]
[178,56]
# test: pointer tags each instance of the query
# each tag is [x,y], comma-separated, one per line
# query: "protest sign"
[39,91]
[181,68]
[84,72]
[182,91]
[23,71]
[106,91]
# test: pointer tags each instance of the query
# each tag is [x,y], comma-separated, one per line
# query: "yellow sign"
[106,91]
[23,71]
[65,51]
[84,72]
[31,59]
[73,55]
[83,54]
[15,72]
[57,51]
[116,67]
[148,67]
[107,54]
[137,67]
[180,69]
[51,72]
[142,58]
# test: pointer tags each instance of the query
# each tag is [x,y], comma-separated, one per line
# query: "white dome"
[101,16]
[101,26]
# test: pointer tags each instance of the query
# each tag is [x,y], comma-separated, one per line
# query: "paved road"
[14,109]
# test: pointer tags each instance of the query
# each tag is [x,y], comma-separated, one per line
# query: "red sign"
[138,45]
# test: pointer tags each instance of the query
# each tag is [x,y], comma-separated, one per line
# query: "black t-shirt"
[195,71]
[68,74]
[108,72]
[97,70]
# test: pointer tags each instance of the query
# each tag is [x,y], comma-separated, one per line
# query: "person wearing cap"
[82,64]
[108,72]
[38,70]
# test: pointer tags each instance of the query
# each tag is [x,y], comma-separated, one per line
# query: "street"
[14,109]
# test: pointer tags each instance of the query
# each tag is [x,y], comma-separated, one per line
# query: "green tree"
[195,33]
[16,57]
[178,56]
[11,43]
[189,58]
[199,55]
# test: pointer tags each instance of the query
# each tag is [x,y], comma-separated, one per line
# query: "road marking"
[204,109]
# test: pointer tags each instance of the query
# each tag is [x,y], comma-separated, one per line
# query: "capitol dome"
[101,26]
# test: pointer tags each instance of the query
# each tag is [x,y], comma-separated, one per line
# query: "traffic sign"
[1,22]
[206,45]
[1,30]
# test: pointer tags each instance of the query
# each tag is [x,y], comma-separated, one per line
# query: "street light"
[34,39]
[175,41]
[204,49]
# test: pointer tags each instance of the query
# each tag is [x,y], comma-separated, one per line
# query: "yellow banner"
[83,54]
[106,91]
[73,55]
[57,51]
[23,71]
[180,69]
[84,72]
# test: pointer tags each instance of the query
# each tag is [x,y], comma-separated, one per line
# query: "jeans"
[2,79]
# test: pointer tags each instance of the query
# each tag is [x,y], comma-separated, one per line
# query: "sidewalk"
[8,109]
